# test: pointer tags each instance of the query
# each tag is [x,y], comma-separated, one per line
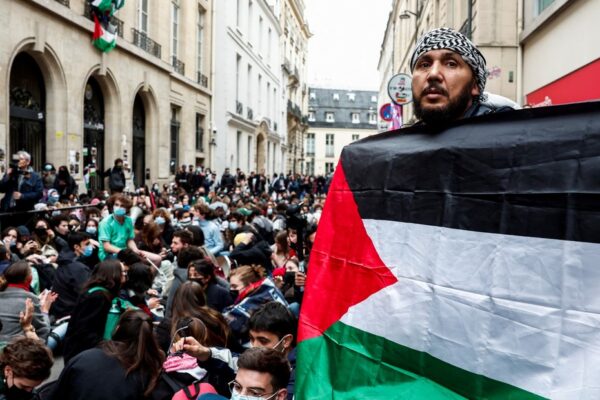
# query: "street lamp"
[407,13]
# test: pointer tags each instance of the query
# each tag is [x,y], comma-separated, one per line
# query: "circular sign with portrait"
[400,89]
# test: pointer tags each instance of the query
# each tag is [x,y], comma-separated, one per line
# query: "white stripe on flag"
[521,310]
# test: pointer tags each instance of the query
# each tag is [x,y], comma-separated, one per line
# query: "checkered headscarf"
[446,38]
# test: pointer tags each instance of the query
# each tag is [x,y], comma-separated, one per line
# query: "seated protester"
[250,289]
[262,224]
[189,301]
[88,319]
[11,239]
[210,229]
[71,274]
[15,289]
[149,239]
[124,368]
[274,326]
[203,272]
[198,235]
[250,249]
[60,226]
[282,251]
[74,223]
[183,371]
[162,218]
[44,237]
[263,373]
[185,255]
[5,258]
[139,281]
[91,229]
[24,364]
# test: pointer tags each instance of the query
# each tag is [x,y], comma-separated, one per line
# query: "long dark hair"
[107,274]
[189,301]
[135,347]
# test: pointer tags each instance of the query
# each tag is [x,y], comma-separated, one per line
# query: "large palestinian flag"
[462,263]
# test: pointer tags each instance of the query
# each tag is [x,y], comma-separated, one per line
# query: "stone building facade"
[148,101]
[294,54]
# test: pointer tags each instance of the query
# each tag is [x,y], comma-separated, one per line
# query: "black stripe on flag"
[533,172]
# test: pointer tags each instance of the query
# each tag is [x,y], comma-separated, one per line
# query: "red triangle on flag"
[344,266]
[97,29]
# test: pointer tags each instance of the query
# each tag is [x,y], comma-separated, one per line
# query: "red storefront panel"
[580,85]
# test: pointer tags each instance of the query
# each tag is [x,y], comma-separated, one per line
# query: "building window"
[238,60]
[200,40]
[312,96]
[260,35]
[310,167]
[336,97]
[311,116]
[199,132]
[249,25]
[174,28]
[355,118]
[269,40]
[355,137]
[238,13]
[373,99]
[542,5]
[329,145]
[174,145]
[328,168]
[143,16]
[372,118]
[310,144]
[329,117]
[351,96]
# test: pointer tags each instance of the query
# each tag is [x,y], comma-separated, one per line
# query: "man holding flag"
[473,253]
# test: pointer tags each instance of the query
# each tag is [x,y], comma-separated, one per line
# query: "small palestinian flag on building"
[103,39]
[461,263]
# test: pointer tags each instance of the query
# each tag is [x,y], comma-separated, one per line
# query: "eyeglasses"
[236,388]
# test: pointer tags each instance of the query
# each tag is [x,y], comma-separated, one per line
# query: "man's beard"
[437,116]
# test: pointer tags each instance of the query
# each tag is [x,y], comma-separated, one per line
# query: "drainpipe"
[469,19]
[520,23]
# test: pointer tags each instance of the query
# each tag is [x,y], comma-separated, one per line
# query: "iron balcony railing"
[65,3]
[141,40]
[202,80]
[178,65]
[87,12]
[239,108]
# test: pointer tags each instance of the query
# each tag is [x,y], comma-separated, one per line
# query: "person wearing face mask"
[24,364]
[212,235]
[71,274]
[53,197]
[116,177]
[203,272]
[115,232]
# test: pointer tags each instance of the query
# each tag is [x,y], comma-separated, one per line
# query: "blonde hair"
[249,274]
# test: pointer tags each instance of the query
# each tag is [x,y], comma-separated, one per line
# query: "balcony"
[286,66]
[87,12]
[250,113]
[239,108]
[202,80]
[294,110]
[178,65]
[65,3]
[141,40]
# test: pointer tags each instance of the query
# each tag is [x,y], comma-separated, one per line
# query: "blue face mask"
[233,226]
[119,211]
[91,230]
[159,220]
[53,199]
[88,250]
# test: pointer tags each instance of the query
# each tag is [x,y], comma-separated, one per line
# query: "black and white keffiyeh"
[447,38]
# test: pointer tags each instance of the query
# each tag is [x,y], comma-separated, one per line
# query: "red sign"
[580,85]
[385,112]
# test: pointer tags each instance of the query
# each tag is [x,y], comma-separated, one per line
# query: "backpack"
[190,392]
[118,307]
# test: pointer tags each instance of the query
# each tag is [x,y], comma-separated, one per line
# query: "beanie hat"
[447,38]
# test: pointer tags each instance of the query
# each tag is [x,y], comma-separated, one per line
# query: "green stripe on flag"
[348,363]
